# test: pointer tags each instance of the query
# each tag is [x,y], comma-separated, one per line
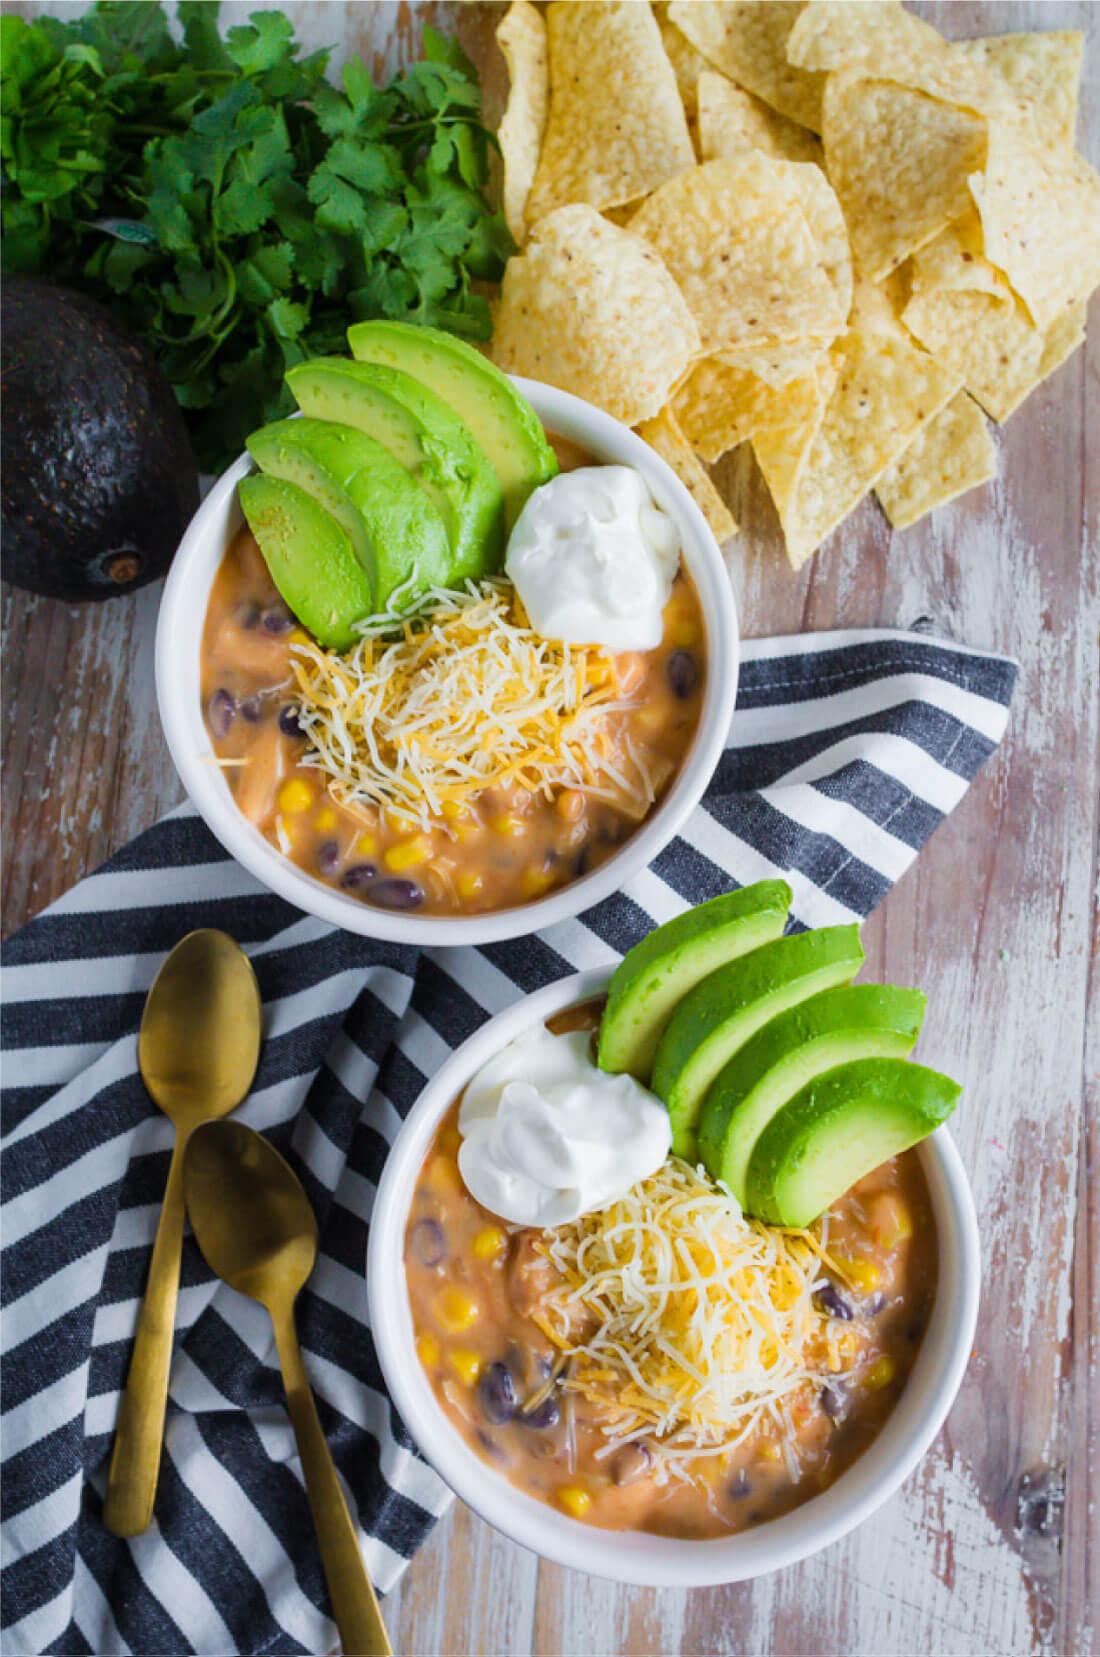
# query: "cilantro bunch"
[231,205]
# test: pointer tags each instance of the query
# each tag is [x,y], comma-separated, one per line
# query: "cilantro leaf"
[234,206]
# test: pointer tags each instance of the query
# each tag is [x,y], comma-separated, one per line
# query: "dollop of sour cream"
[593,558]
[546,1136]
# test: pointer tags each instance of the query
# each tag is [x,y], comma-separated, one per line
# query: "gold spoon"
[257,1231]
[197,1052]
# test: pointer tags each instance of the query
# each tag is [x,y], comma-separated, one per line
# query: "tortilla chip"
[592,309]
[1042,72]
[522,39]
[617,127]
[886,391]
[900,162]
[732,120]
[747,40]
[955,260]
[880,40]
[735,237]
[827,226]
[663,434]
[1040,213]
[949,455]
[719,406]
[687,63]
[991,341]
[778,365]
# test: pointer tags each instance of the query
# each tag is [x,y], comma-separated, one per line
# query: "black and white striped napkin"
[846,751]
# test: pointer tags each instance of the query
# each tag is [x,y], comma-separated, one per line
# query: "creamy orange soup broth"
[474,1281]
[510,846]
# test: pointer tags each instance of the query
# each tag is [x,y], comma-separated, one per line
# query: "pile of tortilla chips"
[819,229]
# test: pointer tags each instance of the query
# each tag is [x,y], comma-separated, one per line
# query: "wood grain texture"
[992,1546]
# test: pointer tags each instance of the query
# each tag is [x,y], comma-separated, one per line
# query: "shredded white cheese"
[467,697]
[685,1322]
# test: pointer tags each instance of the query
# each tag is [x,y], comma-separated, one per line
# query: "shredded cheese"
[467,697]
[685,1322]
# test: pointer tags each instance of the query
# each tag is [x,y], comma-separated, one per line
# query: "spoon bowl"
[200,1031]
[252,1219]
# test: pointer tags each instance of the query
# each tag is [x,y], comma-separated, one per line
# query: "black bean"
[496,1394]
[328,856]
[829,1299]
[277,621]
[221,712]
[633,1462]
[358,876]
[546,1414]
[288,721]
[396,894]
[428,1242]
[580,867]
[833,1401]
[250,615]
[683,673]
[739,1484]
[252,709]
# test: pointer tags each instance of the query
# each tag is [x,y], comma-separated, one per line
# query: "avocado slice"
[396,531]
[724,1010]
[654,975]
[502,421]
[836,1129]
[857,1021]
[310,557]
[427,437]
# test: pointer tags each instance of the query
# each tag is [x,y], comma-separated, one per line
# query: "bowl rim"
[633,1556]
[179,631]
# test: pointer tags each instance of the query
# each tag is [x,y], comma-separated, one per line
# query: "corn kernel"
[444,1175]
[366,845]
[881,1373]
[535,881]
[466,1365]
[427,1350]
[489,1244]
[468,884]
[683,633]
[891,1222]
[570,804]
[455,1310]
[456,811]
[408,854]
[325,820]
[574,1500]
[863,1274]
[508,825]
[295,796]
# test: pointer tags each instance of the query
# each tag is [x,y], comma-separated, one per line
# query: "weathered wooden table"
[991,1549]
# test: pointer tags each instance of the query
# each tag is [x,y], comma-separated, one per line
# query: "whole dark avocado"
[99,479]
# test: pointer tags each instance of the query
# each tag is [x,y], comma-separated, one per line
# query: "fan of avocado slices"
[784,1079]
[408,466]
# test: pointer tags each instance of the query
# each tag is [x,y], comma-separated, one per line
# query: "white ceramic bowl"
[179,632]
[633,1556]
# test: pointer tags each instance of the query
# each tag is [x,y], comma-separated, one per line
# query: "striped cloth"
[846,751]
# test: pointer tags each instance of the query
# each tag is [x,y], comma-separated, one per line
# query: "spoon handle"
[135,1459]
[362,1631]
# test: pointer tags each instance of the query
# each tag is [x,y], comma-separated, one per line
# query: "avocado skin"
[99,478]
